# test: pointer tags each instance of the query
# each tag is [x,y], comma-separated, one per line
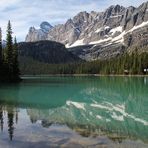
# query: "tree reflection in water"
[12,117]
[78,107]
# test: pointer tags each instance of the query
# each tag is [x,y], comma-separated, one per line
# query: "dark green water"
[74,112]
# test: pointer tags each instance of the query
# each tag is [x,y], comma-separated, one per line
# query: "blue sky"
[26,13]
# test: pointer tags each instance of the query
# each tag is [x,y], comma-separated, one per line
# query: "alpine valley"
[80,84]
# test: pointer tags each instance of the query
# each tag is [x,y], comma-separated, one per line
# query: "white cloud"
[4,4]
[26,13]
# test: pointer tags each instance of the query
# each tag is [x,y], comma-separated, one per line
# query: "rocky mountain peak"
[38,34]
[144,5]
[110,31]
[69,22]
[113,11]
[45,26]
[93,14]
[31,29]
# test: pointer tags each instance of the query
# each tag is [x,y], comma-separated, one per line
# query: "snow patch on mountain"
[117,29]
[109,39]
[106,27]
[139,26]
[98,30]
[115,16]
[100,41]
[120,37]
[77,43]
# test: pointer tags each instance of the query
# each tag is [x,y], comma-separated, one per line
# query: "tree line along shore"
[134,63]
[11,64]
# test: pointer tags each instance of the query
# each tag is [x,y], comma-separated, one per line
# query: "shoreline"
[82,75]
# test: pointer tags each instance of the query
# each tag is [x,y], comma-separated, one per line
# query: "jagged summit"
[38,34]
[114,28]
[45,26]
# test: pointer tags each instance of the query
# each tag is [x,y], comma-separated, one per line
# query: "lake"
[74,112]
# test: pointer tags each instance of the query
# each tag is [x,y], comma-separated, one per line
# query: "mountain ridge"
[46,52]
[112,28]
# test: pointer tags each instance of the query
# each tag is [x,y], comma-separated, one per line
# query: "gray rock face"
[138,38]
[45,26]
[38,34]
[113,28]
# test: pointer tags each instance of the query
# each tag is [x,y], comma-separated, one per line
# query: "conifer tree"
[10,115]
[9,47]
[15,59]
[135,65]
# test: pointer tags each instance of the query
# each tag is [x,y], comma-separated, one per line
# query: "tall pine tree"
[15,59]
[9,47]
[10,57]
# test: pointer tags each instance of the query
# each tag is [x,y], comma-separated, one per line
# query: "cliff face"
[38,34]
[108,33]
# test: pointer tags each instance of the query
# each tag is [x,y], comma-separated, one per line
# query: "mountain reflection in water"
[103,110]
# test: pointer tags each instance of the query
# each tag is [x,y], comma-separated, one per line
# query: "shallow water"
[74,112]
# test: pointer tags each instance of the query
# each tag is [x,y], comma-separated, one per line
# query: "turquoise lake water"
[74,112]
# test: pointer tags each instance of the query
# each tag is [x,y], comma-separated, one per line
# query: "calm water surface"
[74,112]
